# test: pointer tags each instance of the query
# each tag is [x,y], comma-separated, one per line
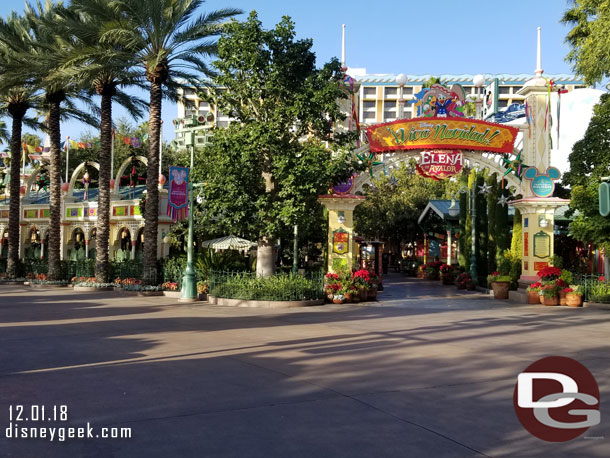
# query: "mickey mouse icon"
[542,184]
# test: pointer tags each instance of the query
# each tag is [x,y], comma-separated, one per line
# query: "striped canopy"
[228,242]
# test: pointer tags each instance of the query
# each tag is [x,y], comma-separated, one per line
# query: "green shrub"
[282,287]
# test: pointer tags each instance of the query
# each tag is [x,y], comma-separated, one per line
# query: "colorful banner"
[177,200]
[340,241]
[440,164]
[441,133]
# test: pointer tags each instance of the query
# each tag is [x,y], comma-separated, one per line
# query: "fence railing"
[593,289]
[279,287]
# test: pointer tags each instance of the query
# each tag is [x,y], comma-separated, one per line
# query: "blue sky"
[444,36]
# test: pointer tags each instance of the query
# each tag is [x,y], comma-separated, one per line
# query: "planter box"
[44,286]
[93,289]
[573,300]
[12,282]
[263,304]
[549,300]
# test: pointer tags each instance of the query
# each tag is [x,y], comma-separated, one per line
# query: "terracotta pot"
[348,297]
[573,300]
[550,300]
[562,298]
[372,293]
[533,297]
[363,292]
[500,289]
[338,301]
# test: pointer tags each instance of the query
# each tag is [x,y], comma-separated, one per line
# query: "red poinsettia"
[568,290]
[602,278]
[561,283]
[549,273]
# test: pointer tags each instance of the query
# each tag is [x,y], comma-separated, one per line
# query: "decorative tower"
[538,205]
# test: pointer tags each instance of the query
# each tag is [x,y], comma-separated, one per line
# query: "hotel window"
[407,90]
[502,103]
[369,92]
[516,89]
[368,105]
[503,90]
[389,106]
[369,116]
[391,92]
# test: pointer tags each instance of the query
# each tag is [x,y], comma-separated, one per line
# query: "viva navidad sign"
[442,133]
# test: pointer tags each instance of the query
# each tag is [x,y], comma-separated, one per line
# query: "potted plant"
[533,293]
[561,287]
[549,273]
[549,295]
[447,274]
[372,290]
[574,296]
[361,279]
[500,284]
[347,293]
[354,293]
[464,281]
[331,290]
[338,299]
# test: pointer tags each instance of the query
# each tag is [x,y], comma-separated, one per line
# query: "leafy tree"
[394,204]
[168,42]
[589,161]
[264,172]
[588,39]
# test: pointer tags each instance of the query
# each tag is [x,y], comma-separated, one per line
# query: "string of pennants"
[135,142]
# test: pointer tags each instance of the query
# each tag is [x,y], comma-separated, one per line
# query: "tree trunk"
[265,257]
[17,112]
[54,242]
[103,202]
[152,190]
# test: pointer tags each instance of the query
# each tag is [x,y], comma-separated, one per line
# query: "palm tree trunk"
[55,186]
[17,112]
[152,190]
[103,201]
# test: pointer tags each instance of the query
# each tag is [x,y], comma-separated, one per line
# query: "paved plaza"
[427,371]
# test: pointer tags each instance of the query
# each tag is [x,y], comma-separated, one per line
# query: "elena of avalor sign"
[440,164]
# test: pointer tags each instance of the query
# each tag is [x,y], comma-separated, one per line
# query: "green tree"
[168,42]
[394,204]
[265,171]
[589,161]
[588,39]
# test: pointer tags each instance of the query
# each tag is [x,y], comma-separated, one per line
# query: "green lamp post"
[189,280]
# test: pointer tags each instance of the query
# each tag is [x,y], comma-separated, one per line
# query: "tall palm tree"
[42,53]
[103,68]
[16,96]
[170,43]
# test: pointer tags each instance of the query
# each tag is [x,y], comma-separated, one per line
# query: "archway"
[122,245]
[139,250]
[92,244]
[32,245]
[75,248]
[84,182]
[131,173]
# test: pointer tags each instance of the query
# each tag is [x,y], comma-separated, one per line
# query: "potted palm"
[500,284]
[574,296]
[549,295]
[533,293]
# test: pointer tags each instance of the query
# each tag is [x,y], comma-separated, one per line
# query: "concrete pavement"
[428,371]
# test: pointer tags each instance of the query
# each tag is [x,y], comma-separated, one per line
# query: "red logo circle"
[543,405]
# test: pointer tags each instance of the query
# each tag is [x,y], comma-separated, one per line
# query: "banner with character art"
[177,201]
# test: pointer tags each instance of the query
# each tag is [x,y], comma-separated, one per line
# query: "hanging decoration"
[485,189]
[371,162]
[42,182]
[548,116]
[86,180]
[560,90]
[515,166]
[503,200]
[348,83]
[177,202]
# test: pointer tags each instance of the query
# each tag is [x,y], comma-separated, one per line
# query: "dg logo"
[557,399]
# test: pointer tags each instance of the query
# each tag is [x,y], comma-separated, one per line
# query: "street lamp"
[401,80]
[189,282]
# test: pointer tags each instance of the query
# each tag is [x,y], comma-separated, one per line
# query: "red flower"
[602,278]
[549,273]
[536,285]
[561,283]
[568,290]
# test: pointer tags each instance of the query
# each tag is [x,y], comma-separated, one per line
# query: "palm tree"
[170,43]
[16,97]
[101,67]
[42,53]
